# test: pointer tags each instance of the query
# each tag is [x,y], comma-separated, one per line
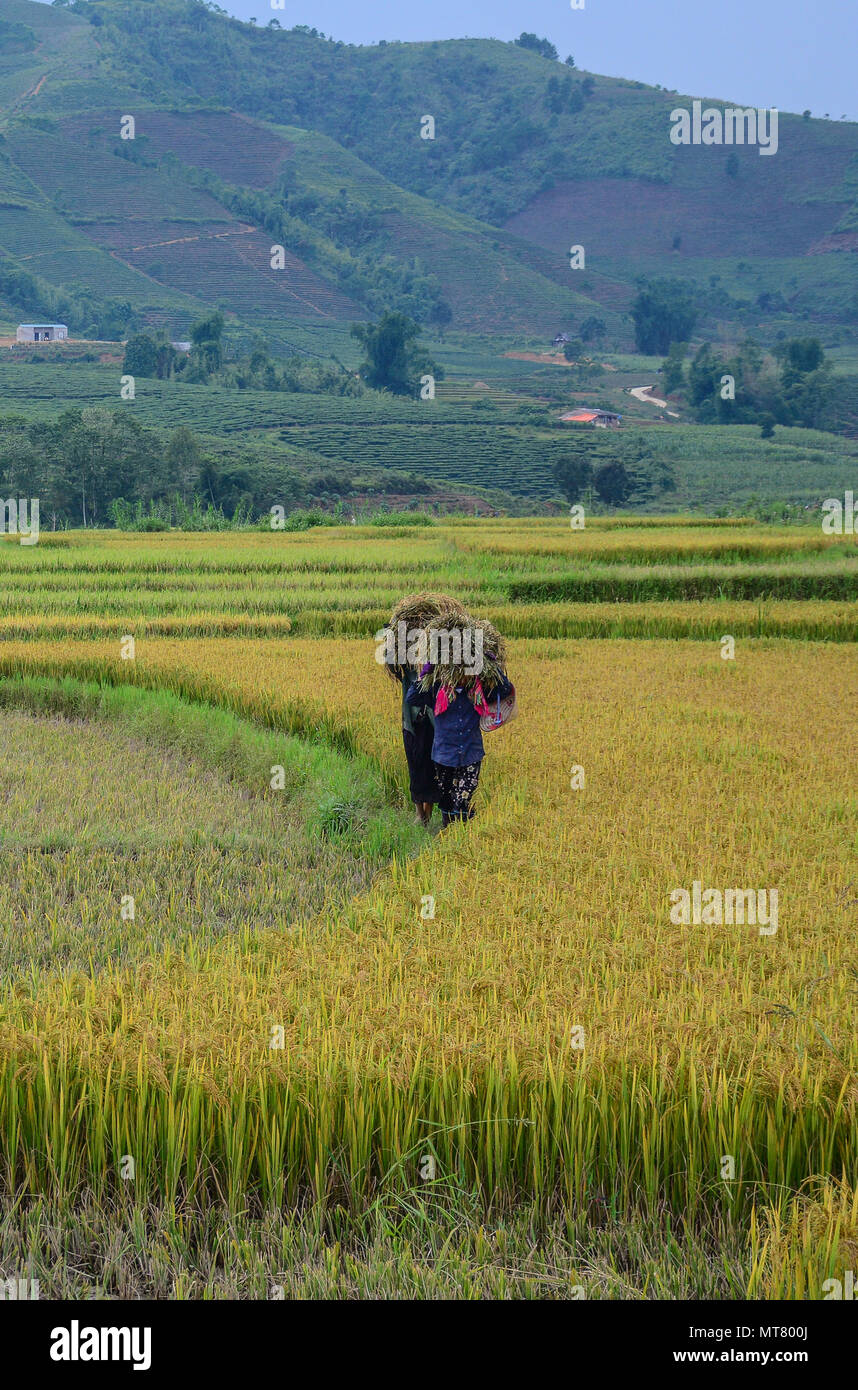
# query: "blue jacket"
[458,739]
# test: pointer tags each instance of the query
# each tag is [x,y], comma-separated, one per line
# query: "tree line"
[617,471]
[86,314]
[791,385]
[98,467]
[85,461]
[394,361]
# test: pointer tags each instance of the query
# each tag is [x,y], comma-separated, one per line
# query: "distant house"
[602,419]
[41,332]
[181,346]
[560,339]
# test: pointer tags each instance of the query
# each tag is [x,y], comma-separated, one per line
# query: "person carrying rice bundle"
[465,684]
[405,651]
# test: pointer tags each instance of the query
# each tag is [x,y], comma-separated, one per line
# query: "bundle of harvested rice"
[419,609]
[463,651]
[494,645]
[415,611]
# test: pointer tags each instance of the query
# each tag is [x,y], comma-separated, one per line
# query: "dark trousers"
[456,787]
[418,755]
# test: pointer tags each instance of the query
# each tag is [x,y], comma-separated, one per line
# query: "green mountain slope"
[250,137]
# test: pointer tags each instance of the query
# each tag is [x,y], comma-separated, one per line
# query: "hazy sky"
[786,53]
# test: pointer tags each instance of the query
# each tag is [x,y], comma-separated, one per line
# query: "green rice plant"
[623,585]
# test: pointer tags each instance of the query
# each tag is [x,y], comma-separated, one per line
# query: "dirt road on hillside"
[644,393]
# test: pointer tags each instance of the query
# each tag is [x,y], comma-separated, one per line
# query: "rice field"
[794,581]
[550,1085]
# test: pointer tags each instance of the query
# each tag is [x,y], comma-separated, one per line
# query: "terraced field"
[458,441]
[215,140]
[536,578]
[530,1093]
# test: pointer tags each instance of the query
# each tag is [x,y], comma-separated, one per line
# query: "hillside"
[253,141]
[245,135]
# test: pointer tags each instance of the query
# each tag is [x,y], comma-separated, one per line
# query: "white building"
[41,332]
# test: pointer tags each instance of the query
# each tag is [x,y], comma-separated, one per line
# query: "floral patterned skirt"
[456,787]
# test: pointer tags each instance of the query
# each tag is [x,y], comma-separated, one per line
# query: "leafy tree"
[183,460]
[809,397]
[663,313]
[16,37]
[649,475]
[168,360]
[150,357]
[210,481]
[543,47]
[207,352]
[441,315]
[141,356]
[23,467]
[103,318]
[572,474]
[92,465]
[553,99]
[592,329]
[673,368]
[502,145]
[803,355]
[712,397]
[612,484]
[395,360]
[93,456]
[702,374]
[793,386]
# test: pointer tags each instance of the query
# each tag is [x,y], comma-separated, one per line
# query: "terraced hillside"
[467,438]
[236,122]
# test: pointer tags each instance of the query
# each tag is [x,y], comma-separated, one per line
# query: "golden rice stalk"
[417,610]
[452,674]
[494,645]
